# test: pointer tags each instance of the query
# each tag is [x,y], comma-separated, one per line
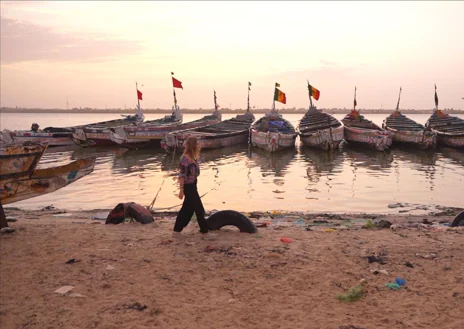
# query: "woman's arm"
[181,188]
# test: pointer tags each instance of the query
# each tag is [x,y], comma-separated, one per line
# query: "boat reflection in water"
[368,158]
[321,162]
[455,155]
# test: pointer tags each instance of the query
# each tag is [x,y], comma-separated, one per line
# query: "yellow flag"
[277,84]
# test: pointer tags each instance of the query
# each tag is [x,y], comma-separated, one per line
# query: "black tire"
[459,220]
[139,213]
[231,217]
[117,215]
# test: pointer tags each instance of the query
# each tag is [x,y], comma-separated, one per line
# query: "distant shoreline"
[224,111]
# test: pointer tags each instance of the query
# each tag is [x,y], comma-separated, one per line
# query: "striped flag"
[314,92]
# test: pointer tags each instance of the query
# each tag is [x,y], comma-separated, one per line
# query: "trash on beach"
[76,295]
[409,264]
[352,295]
[374,259]
[382,223]
[369,224]
[136,306]
[72,261]
[427,256]
[286,240]
[400,281]
[210,248]
[64,289]
[379,271]
[7,230]
[11,219]
[109,267]
[63,215]
[329,230]
[393,285]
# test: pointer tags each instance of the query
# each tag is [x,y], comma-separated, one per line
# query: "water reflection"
[138,161]
[455,155]
[371,159]
[272,163]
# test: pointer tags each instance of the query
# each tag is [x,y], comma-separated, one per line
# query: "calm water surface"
[352,179]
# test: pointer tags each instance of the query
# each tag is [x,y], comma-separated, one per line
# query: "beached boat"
[449,129]
[19,160]
[43,181]
[150,133]
[362,131]
[272,132]
[225,133]
[319,129]
[408,131]
[50,135]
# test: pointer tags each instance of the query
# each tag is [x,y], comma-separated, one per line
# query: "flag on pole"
[176,83]
[277,84]
[139,95]
[249,85]
[436,97]
[314,92]
[172,73]
[280,96]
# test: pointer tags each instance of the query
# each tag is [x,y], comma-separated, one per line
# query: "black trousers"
[192,203]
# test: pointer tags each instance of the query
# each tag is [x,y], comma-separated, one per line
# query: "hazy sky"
[93,52]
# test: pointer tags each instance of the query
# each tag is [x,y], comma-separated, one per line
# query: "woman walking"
[189,170]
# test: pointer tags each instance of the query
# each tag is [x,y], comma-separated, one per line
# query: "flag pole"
[174,93]
[436,99]
[215,103]
[354,99]
[310,93]
[398,104]
[273,99]
[248,99]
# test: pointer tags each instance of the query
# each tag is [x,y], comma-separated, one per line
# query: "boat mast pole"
[273,100]
[248,99]
[138,100]
[215,103]
[174,93]
[436,99]
[354,103]
[398,104]
[310,93]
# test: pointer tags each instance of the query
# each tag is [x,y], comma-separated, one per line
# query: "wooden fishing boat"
[408,131]
[272,132]
[50,135]
[449,129]
[362,131]
[319,129]
[150,133]
[225,133]
[19,160]
[43,181]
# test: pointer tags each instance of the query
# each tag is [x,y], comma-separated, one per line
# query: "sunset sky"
[93,52]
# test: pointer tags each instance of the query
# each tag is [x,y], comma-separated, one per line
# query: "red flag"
[139,95]
[176,83]
[172,73]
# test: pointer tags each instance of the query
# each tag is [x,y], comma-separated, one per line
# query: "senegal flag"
[314,92]
[280,96]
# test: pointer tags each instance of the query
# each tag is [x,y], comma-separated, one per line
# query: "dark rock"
[383,223]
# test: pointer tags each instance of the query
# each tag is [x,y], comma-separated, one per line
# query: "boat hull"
[18,161]
[272,141]
[423,139]
[380,140]
[52,139]
[175,141]
[324,139]
[453,141]
[151,136]
[45,181]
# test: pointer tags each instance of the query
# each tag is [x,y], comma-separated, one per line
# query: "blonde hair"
[192,148]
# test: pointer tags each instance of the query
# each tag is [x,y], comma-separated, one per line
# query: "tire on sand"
[459,220]
[231,217]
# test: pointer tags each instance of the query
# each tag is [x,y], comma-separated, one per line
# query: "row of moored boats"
[271,132]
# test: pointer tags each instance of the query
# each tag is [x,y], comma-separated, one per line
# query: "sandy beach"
[140,276]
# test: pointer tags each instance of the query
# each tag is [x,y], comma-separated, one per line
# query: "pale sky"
[93,52]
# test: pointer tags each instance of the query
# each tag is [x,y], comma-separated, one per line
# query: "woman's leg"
[186,212]
[199,211]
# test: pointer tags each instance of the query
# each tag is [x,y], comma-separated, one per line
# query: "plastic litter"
[286,240]
[400,281]
[352,295]
[393,285]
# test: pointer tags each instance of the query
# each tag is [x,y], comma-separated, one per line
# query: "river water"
[353,179]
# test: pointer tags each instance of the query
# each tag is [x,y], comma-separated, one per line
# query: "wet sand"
[140,276]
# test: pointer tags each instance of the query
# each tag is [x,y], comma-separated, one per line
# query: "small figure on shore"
[189,170]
